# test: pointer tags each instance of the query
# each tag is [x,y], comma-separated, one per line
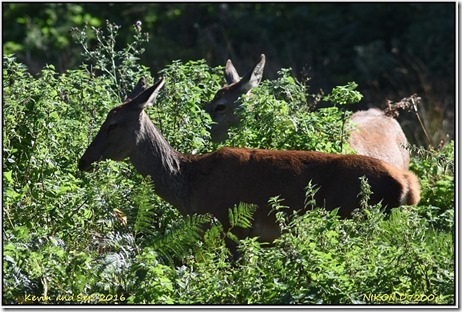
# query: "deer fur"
[213,182]
[379,136]
[222,107]
[373,134]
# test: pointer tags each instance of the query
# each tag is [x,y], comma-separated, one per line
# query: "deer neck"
[153,156]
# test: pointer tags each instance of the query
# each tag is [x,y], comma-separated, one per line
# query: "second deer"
[374,134]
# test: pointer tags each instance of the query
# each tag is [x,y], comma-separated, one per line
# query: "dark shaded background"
[392,50]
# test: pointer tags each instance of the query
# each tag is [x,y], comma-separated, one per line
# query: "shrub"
[277,115]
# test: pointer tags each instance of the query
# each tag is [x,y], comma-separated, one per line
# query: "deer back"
[379,136]
[231,175]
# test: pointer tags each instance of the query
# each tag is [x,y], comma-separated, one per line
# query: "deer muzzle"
[85,165]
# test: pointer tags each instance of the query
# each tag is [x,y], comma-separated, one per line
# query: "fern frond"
[13,275]
[116,241]
[232,237]
[146,209]
[242,215]
[176,241]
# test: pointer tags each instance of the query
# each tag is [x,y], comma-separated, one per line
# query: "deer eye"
[220,108]
[111,127]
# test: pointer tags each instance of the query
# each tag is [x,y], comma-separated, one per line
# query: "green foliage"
[322,259]
[153,280]
[277,115]
[178,241]
[435,169]
[120,66]
[344,95]
[365,193]
[181,103]
[241,216]
[105,238]
[44,30]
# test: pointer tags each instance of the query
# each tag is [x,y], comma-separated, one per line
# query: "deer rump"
[222,179]
[379,136]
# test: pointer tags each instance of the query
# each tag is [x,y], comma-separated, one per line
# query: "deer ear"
[140,87]
[254,76]
[231,75]
[147,97]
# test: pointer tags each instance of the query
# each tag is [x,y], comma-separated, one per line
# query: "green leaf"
[8,176]
[241,216]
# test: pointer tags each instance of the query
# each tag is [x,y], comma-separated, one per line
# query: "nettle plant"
[278,114]
[179,112]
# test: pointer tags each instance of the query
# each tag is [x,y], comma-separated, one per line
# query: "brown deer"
[373,134]
[213,182]
[222,107]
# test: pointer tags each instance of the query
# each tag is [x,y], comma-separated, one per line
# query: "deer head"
[226,100]
[118,136]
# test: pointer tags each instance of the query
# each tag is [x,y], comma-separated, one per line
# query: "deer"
[213,182]
[373,133]
[377,135]
[226,100]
